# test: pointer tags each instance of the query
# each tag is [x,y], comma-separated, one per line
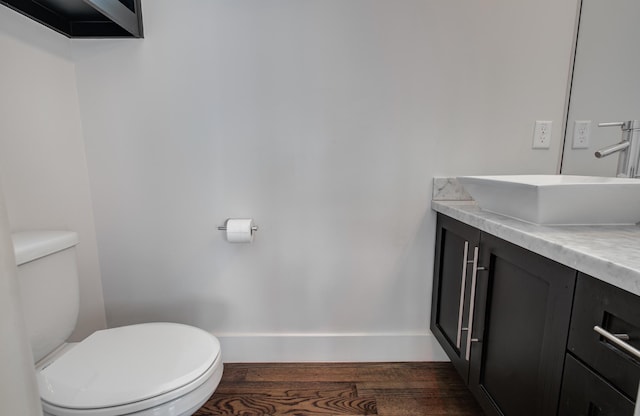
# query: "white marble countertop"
[609,253]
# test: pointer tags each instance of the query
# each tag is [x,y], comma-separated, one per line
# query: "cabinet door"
[456,244]
[520,330]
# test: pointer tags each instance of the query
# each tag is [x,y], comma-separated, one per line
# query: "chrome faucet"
[629,148]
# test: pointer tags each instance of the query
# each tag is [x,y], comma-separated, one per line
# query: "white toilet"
[147,369]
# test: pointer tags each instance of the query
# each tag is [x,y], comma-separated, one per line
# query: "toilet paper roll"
[240,230]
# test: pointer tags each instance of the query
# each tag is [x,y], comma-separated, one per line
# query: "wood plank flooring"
[346,389]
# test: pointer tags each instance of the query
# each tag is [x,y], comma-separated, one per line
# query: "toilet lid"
[124,365]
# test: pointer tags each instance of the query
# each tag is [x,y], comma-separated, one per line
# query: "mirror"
[605,85]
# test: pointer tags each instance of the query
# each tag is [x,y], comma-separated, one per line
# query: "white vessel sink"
[558,199]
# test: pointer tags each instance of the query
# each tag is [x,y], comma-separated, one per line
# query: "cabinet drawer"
[584,393]
[599,304]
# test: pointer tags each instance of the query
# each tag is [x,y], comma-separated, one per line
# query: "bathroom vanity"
[515,305]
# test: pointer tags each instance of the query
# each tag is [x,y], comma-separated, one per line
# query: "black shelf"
[84,18]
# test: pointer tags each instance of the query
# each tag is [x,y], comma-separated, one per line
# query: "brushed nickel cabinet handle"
[472,302]
[462,288]
[617,339]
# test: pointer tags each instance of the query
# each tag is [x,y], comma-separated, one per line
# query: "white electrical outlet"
[542,135]
[581,131]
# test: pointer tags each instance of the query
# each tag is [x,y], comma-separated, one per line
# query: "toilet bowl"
[151,369]
[138,369]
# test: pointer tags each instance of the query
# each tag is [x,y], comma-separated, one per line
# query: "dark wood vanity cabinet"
[517,305]
[531,336]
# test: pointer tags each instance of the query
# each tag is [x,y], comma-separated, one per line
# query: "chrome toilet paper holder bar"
[254,228]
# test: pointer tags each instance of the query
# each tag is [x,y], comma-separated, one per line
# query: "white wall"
[42,155]
[325,121]
[18,387]
[605,82]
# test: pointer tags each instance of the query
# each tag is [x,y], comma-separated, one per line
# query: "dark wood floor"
[390,389]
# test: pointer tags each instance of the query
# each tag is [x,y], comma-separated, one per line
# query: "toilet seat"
[130,369]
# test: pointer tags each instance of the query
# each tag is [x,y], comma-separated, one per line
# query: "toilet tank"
[48,283]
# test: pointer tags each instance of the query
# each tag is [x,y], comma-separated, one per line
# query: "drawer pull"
[465,261]
[617,339]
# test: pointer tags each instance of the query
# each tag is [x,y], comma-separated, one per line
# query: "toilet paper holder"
[224,228]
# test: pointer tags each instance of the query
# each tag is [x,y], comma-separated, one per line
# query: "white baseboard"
[330,347]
